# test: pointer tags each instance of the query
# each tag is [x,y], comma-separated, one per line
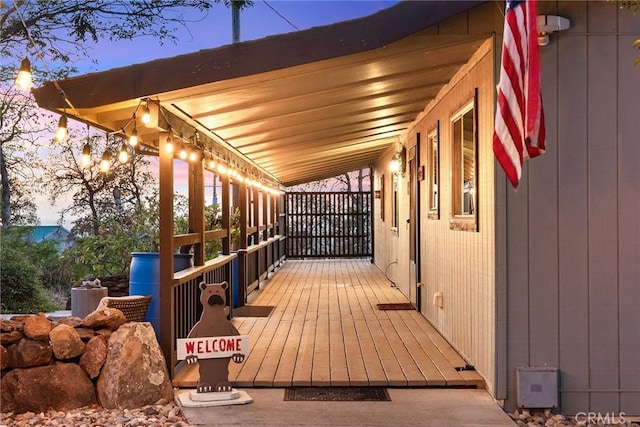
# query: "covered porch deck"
[325,330]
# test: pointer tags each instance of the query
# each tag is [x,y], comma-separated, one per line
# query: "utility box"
[537,387]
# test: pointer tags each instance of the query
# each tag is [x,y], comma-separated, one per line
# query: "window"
[465,148]
[433,164]
[383,196]
[394,219]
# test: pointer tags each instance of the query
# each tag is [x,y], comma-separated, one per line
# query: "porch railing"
[328,224]
[253,265]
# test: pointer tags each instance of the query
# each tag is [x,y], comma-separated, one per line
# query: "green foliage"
[109,252]
[23,265]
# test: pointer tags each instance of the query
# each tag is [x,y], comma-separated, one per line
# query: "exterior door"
[414,224]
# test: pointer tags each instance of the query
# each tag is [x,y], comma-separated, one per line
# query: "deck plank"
[325,329]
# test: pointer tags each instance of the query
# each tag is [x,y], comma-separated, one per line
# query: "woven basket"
[133,307]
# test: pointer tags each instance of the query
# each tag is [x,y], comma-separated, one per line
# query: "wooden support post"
[167,314]
[242,251]
[196,209]
[226,212]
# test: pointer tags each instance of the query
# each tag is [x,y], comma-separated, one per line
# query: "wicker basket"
[133,307]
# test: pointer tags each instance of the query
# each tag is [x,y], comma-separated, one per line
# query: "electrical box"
[537,387]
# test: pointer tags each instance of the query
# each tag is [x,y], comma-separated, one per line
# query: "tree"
[97,195]
[58,32]
[17,156]
[633,6]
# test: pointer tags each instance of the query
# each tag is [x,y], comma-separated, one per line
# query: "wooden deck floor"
[325,330]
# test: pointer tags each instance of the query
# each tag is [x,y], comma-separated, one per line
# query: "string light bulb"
[123,155]
[212,164]
[104,163]
[183,152]
[62,133]
[193,156]
[85,160]
[133,138]
[146,114]
[169,144]
[24,79]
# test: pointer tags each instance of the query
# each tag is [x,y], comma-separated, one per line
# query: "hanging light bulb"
[183,152]
[123,156]
[221,168]
[212,163]
[62,133]
[133,139]
[169,145]
[85,160]
[24,80]
[193,155]
[146,114]
[104,163]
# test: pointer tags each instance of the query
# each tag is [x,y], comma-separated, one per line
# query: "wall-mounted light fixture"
[548,24]
[398,161]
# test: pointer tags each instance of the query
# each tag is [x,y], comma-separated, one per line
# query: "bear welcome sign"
[212,347]
[212,344]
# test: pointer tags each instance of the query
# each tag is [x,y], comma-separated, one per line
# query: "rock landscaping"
[70,363]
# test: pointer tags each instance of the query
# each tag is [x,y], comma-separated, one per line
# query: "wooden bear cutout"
[214,373]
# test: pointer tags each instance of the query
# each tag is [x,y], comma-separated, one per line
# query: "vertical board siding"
[573,223]
[459,264]
[628,213]
[573,235]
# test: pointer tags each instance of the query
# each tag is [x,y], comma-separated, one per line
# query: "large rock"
[37,327]
[62,386]
[4,358]
[94,356]
[109,318]
[135,372]
[71,321]
[29,353]
[8,338]
[66,342]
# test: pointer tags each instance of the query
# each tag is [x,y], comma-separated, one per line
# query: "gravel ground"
[163,414]
[169,414]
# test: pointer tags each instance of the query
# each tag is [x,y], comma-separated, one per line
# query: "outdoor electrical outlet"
[437,299]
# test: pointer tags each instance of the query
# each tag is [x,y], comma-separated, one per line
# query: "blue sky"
[214,30]
[258,21]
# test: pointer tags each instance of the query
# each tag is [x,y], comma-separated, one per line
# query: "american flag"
[519,126]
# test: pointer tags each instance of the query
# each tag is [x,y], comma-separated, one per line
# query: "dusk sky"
[261,20]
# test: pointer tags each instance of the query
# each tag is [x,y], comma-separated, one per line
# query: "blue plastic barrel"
[144,279]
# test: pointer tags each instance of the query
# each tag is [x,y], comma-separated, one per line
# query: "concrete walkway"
[408,407]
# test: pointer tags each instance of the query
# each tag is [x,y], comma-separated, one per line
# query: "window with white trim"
[464,176]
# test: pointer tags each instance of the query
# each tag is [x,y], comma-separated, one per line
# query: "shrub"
[21,290]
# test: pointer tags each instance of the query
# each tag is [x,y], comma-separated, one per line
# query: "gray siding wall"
[571,230]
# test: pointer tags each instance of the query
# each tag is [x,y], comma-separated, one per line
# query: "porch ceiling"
[302,106]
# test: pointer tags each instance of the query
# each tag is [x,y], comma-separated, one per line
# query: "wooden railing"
[254,265]
[329,224]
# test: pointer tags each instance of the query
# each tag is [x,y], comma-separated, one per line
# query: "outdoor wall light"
[398,161]
[62,133]
[24,79]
